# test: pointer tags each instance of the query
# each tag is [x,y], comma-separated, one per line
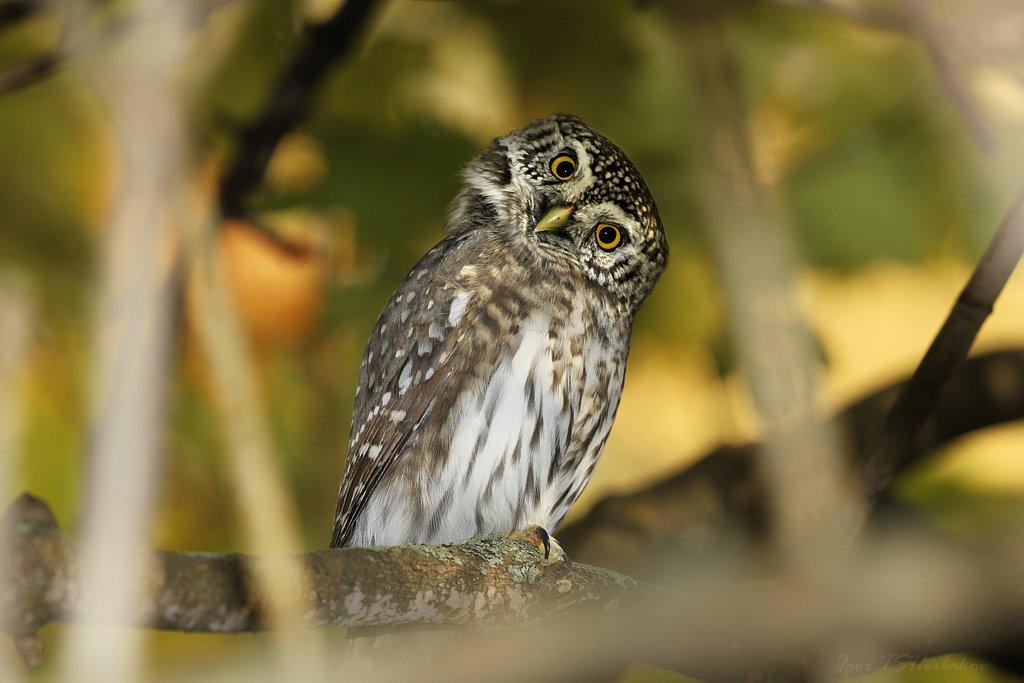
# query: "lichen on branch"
[486,583]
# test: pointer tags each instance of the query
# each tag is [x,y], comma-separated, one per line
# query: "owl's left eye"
[608,236]
[563,167]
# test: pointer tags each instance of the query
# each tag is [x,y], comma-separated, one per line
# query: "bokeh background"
[889,198]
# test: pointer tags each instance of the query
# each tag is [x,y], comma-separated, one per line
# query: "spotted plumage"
[492,377]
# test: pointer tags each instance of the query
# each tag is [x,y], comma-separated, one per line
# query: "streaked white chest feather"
[498,476]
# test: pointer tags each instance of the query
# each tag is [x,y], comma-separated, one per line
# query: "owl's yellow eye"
[608,236]
[563,167]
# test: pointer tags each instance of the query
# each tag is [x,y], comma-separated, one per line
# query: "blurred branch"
[326,44]
[133,335]
[33,70]
[82,42]
[811,496]
[721,100]
[935,43]
[891,448]
[13,11]
[265,507]
[914,19]
[482,583]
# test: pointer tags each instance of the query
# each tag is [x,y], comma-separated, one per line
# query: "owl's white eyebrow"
[609,211]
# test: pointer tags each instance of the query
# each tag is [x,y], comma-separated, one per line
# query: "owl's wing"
[415,363]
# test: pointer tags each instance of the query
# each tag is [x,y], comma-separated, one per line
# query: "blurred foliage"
[849,127]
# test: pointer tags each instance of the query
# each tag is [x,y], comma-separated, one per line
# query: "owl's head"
[561,189]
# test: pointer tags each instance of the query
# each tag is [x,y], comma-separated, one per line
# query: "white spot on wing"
[458,308]
[405,379]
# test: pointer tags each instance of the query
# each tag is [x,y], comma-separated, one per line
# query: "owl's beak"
[555,219]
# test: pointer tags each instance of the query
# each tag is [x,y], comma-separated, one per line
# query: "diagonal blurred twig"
[269,520]
[14,11]
[83,42]
[914,20]
[891,447]
[33,70]
[288,103]
[932,38]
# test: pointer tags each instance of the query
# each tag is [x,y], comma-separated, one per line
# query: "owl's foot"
[545,543]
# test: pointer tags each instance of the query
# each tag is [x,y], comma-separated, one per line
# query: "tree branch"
[82,43]
[486,583]
[32,71]
[891,448]
[14,11]
[288,104]
[934,42]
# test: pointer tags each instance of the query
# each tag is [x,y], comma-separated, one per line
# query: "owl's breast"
[524,439]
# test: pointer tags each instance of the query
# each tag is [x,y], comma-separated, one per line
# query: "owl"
[493,375]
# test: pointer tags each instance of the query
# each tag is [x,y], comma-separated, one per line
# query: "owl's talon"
[546,545]
[556,553]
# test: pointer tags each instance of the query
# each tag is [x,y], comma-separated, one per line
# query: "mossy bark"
[487,583]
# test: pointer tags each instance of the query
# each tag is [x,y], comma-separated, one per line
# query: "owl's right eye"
[563,167]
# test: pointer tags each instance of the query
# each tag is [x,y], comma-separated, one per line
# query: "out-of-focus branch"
[482,583]
[914,19]
[811,496]
[84,42]
[935,44]
[32,70]
[891,448]
[289,101]
[13,11]
[133,335]
[265,507]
